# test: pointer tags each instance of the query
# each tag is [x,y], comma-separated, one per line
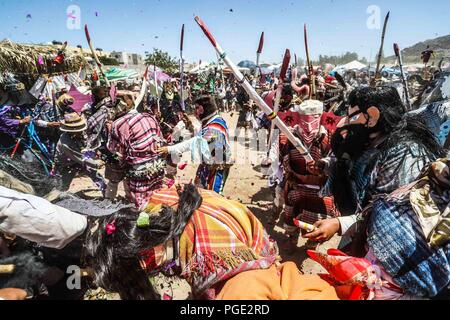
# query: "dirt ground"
[245,184]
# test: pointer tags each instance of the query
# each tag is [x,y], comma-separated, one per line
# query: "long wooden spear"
[276,107]
[182,68]
[253,95]
[312,78]
[156,88]
[380,53]
[94,54]
[258,54]
[405,84]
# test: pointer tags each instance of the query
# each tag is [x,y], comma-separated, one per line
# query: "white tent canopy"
[354,65]
[201,67]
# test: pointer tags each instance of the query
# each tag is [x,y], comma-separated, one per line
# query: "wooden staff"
[258,54]
[254,95]
[380,53]
[405,84]
[311,76]
[182,68]
[156,88]
[94,54]
[276,107]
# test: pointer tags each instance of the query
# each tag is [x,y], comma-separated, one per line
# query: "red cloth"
[269,98]
[345,270]
[290,118]
[330,79]
[330,121]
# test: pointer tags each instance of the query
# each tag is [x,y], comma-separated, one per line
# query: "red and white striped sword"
[94,54]
[253,95]
[276,107]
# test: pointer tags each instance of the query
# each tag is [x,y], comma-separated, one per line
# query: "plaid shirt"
[135,137]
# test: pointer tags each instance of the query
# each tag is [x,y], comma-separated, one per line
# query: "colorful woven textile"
[397,241]
[212,177]
[222,239]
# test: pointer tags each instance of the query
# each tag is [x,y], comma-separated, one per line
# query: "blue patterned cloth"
[215,137]
[436,117]
[397,240]
[374,173]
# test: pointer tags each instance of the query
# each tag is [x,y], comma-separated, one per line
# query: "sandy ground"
[245,184]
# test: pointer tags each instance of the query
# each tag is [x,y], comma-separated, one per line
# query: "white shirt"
[38,220]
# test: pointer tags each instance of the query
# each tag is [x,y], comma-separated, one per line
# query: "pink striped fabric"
[135,137]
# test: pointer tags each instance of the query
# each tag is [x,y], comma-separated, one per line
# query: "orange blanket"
[277,283]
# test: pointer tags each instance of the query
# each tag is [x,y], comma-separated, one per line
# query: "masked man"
[377,150]
[301,187]
[170,108]
[211,146]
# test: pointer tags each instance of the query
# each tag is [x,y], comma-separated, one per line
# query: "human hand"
[163,150]
[54,124]
[25,120]
[317,167]
[325,230]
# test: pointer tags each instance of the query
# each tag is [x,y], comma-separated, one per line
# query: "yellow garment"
[277,283]
[429,200]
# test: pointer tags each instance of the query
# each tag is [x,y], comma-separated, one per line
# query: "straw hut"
[29,62]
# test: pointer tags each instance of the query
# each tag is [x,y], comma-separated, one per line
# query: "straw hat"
[73,122]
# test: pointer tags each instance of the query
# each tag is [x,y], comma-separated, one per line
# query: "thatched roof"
[22,60]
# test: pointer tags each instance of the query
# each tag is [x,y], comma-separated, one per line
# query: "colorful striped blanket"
[222,239]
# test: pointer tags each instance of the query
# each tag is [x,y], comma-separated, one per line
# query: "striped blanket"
[223,238]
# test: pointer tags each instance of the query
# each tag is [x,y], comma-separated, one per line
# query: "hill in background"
[440,46]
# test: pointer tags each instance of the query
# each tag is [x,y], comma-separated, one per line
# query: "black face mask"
[353,145]
[341,187]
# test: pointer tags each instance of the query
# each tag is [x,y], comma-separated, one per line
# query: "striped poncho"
[222,238]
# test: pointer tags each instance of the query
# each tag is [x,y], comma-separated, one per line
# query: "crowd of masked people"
[379,178]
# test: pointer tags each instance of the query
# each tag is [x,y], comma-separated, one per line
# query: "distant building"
[125,58]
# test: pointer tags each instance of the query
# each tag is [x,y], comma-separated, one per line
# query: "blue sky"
[335,26]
